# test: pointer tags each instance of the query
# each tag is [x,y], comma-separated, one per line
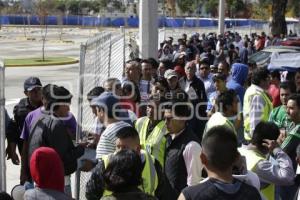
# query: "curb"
[45,64]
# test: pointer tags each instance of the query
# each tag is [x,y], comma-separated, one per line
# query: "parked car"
[291,41]
[262,58]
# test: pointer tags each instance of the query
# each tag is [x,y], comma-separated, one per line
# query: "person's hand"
[83,144]
[12,155]
[281,137]
[270,144]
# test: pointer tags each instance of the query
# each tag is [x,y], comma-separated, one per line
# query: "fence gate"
[101,57]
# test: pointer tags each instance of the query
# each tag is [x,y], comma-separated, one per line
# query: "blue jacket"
[239,73]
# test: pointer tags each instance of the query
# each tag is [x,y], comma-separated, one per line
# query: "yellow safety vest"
[149,175]
[252,158]
[250,92]
[155,143]
[217,119]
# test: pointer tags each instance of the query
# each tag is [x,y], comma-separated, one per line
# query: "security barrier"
[101,57]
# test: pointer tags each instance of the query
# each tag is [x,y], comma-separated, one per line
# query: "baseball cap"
[31,83]
[106,99]
[170,73]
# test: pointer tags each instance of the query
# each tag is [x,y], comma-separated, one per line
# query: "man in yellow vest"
[260,156]
[227,109]
[257,104]
[153,183]
[152,129]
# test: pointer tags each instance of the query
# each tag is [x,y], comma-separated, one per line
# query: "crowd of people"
[201,122]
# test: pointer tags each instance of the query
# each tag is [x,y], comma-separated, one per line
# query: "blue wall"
[131,21]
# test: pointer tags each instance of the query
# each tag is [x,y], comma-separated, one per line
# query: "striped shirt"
[107,142]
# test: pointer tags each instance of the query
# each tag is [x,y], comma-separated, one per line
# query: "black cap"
[31,83]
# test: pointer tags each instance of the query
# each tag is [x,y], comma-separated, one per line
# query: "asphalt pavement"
[14,45]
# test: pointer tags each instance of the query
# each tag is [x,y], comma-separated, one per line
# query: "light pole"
[221,16]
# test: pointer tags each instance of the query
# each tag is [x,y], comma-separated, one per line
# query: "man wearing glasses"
[203,73]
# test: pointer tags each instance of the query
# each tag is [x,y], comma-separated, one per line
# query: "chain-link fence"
[101,57]
[2,130]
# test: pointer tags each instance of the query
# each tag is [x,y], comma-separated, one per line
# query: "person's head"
[133,71]
[227,102]
[154,66]
[5,196]
[123,171]
[107,106]
[128,138]
[182,48]
[113,85]
[179,59]
[159,87]
[298,154]
[154,107]
[176,112]
[220,82]
[47,169]
[46,94]
[260,77]
[190,70]
[146,70]
[297,80]
[275,77]
[293,108]
[163,66]
[262,131]
[286,89]
[172,78]
[32,89]
[224,68]
[93,93]
[204,68]
[130,91]
[216,141]
[60,100]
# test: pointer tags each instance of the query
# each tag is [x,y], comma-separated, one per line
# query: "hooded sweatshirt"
[239,73]
[47,172]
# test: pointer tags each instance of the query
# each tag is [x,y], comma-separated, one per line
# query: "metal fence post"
[2,130]
[123,30]
[109,55]
[79,117]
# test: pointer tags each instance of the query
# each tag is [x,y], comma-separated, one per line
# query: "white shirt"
[107,142]
[191,156]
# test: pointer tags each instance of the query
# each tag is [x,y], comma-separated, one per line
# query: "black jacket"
[175,168]
[49,131]
[15,126]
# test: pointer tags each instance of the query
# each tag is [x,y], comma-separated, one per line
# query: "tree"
[42,9]
[278,24]
[235,7]
[188,6]
[61,8]
[261,10]
[293,8]
[73,7]
[212,6]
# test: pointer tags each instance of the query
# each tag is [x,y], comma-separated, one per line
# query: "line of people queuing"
[198,124]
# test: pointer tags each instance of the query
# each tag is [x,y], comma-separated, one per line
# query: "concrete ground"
[14,45]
